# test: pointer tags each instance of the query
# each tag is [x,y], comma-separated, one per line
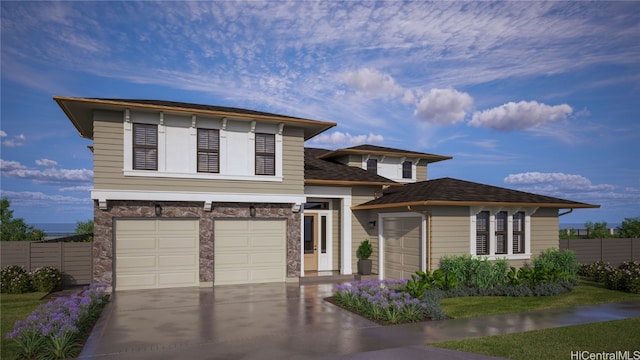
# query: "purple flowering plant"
[52,329]
[381,300]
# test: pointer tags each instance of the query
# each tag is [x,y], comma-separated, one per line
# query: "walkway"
[281,321]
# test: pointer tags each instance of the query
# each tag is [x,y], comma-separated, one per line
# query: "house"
[199,195]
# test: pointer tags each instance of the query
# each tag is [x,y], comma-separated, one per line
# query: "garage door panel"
[172,279]
[230,259]
[136,262]
[158,253]
[177,261]
[249,251]
[187,243]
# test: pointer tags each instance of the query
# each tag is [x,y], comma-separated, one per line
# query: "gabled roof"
[80,112]
[328,172]
[385,151]
[454,192]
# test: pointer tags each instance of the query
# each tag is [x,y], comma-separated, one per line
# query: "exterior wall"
[422,172]
[360,230]
[104,229]
[109,165]
[335,214]
[545,229]
[449,233]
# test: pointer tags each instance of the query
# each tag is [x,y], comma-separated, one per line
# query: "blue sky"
[540,97]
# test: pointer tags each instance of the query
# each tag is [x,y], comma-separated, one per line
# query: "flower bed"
[417,299]
[625,277]
[14,279]
[54,330]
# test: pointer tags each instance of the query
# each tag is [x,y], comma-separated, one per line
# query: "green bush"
[557,264]
[15,280]
[364,250]
[596,271]
[46,279]
[475,272]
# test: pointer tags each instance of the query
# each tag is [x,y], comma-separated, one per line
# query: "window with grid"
[482,233]
[265,154]
[518,233]
[406,170]
[208,150]
[372,166]
[501,232]
[145,147]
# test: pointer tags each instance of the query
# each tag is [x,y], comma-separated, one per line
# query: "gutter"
[566,212]
[427,215]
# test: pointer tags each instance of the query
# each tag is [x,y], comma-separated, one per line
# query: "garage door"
[402,237]
[249,251]
[152,254]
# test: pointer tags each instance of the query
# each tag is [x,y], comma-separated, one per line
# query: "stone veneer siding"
[104,225]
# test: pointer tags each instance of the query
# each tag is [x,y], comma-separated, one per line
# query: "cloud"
[2,133]
[13,169]
[17,140]
[76,189]
[46,162]
[346,139]
[443,106]
[520,116]
[23,198]
[373,82]
[555,181]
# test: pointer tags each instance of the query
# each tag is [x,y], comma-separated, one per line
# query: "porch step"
[335,278]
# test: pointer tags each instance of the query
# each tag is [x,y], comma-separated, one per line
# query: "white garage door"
[152,254]
[249,251]
[402,237]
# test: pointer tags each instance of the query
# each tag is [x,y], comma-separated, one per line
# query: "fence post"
[29,257]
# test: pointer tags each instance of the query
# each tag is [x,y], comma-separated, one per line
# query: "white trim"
[423,240]
[195,196]
[343,193]
[474,210]
[208,176]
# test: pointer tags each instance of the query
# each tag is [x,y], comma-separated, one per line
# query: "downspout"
[427,215]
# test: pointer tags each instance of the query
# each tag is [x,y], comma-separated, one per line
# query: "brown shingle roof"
[448,191]
[381,150]
[318,171]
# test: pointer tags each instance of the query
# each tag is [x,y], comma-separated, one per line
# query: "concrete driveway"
[286,321]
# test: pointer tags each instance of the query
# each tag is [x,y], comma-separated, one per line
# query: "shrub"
[557,264]
[46,279]
[596,271]
[15,280]
[364,250]
[475,272]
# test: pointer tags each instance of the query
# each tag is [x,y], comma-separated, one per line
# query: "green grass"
[587,293]
[557,343]
[14,307]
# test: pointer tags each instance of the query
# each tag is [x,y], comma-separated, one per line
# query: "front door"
[310,242]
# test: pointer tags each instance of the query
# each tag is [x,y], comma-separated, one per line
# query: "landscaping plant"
[14,279]
[52,330]
[46,279]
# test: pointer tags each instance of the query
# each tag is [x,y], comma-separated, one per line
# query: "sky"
[535,96]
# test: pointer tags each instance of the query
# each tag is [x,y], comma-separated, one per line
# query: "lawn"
[587,293]
[558,343]
[14,307]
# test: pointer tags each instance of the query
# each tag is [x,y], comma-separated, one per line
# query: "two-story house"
[199,195]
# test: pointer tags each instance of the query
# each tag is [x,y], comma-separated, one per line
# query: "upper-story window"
[145,147]
[265,154]
[518,233]
[208,150]
[482,233]
[372,166]
[407,172]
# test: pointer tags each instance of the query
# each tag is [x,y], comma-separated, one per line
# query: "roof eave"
[473,203]
[315,127]
[429,157]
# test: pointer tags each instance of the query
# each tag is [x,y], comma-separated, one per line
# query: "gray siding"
[109,165]
[421,172]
